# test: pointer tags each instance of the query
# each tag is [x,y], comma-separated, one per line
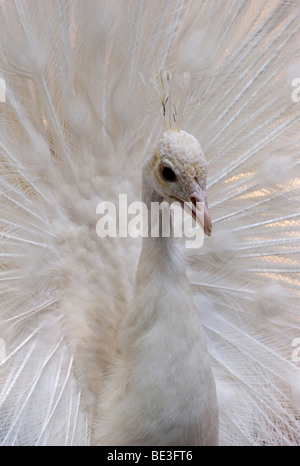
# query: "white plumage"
[82,111]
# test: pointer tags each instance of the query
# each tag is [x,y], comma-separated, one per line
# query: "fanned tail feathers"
[79,115]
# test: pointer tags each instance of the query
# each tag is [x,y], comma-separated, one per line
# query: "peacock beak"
[200,212]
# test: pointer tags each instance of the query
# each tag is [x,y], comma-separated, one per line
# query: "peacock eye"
[168,174]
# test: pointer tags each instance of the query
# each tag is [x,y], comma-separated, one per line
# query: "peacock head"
[178,173]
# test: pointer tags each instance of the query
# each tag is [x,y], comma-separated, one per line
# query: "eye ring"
[167,173]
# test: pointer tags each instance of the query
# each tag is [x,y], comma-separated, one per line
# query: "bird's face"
[179,173]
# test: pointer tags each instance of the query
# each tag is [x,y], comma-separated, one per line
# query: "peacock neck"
[160,268]
[158,247]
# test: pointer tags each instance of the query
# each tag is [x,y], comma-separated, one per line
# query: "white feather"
[79,116]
